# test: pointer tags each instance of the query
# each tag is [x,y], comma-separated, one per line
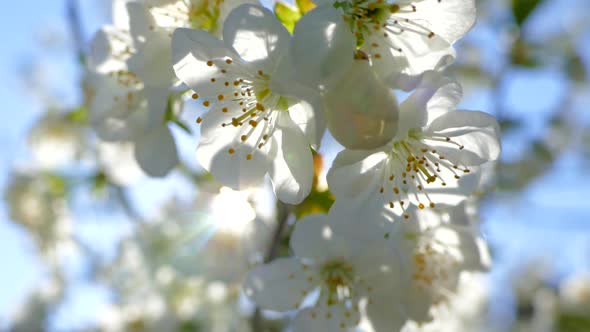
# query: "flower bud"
[362,113]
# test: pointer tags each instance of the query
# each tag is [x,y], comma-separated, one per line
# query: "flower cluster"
[396,241]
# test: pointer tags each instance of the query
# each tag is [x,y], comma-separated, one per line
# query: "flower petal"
[474,137]
[450,19]
[386,311]
[280,285]
[355,171]
[292,170]
[313,239]
[322,46]
[152,61]
[234,169]
[335,317]
[255,33]
[156,151]
[434,96]
[311,120]
[191,51]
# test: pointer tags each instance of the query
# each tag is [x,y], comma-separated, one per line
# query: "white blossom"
[350,266]
[574,293]
[259,120]
[402,37]
[433,159]
[433,257]
[55,141]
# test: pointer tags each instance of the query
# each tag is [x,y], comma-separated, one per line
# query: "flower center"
[238,87]
[433,264]
[338,278]
[413,164]
[202,15]
[366,17]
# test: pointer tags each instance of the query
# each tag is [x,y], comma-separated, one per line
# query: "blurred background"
[92,244]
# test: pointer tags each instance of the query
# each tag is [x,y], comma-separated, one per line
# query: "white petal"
[305,108]
[332,318]
[322,47]
[418,54]
[191,50]
[462,243]
[450,19]
[311,120]
[152,61]
[434,96]
[313,239]
[280,285]
[345,233]
[355,171]
[232,170]
[477,132]
[156,151]
[292,170]
[120,14]
[106,42]
[157,101]
[255,33]
[386,311]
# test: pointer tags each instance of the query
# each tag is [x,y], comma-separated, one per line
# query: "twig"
[128,208]
[73,18]
[283,212]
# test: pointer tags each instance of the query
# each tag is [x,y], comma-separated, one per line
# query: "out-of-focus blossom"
[574,294]
[35,312]
[55,141]
[118,162]
[37,203]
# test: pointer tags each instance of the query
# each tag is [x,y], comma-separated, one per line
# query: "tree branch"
[73,18]
[283,212]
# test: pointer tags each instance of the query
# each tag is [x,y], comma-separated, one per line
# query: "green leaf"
[522,9]
[573,323]
[287,15]
[78,115]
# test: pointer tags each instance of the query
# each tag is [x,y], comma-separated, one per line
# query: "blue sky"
[552,217]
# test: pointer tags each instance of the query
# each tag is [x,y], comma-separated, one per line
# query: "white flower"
[55,140]
[195,14]
[433,256]
[152,24]
[434,157]
[122,108]
[37,203]
[118,162]
[574,293]
[465,312]
[348,263]
[221,226]
[259,120]
[402,37]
